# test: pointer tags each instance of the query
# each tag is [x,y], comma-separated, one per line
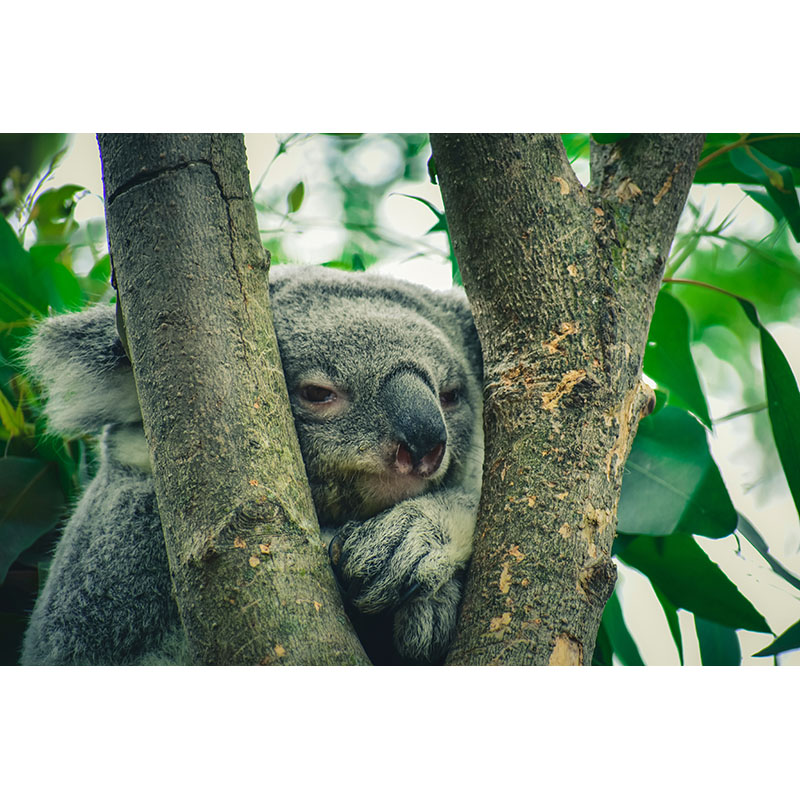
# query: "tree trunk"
[562,281]
[251,576]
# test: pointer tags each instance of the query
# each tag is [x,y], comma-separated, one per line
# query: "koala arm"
[418,547]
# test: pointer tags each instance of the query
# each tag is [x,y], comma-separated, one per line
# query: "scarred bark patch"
[568,382]
[568,652]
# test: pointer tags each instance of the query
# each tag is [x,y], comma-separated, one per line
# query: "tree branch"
[562,281]
[252,580]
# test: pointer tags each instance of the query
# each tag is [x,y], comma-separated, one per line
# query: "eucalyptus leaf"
[761,196]
[668,359]
[441,219]
[715,164]
[776,178]
[619,636]
[60,284]
[31,503]
[53,213]
[788,640]
[432,176]
[576,145]
[783,402]
[689,579]
[746,528]
[719,645]
[295,197]
[671,613]
[782,147]
[603,654]
[20,294]
[671,483]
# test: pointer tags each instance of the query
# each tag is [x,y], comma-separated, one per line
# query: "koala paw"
[409,560]
[424,626]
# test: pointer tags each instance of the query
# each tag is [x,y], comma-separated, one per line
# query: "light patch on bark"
[516,552]
[567,329]
[627,190]
[568,382]
[623,418]
[562,185]
[595,521]
[499,624]
[568,652]
[667,184]
[505,578]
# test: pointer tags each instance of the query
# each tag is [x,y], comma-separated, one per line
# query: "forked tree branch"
[562,280]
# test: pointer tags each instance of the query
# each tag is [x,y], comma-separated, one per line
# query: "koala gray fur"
[384,379]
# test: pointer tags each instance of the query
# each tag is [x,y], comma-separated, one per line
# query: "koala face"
[384,393]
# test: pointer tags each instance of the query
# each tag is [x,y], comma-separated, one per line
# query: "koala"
[385,384]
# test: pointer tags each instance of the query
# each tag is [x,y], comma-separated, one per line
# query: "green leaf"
[745,527]
[609,138]
[441,219]
[719,645]
[20,294]
[689,579]
[715,165]
[60,284]
[52,213]
[783,407]
[576,145]
[31,503]
[783,403]
[618,634]
[434,178]
[671,613]
[295,197]
[788,640]
[782,147]
[455,272]
[101,271]
[603,651]
[671,483]
[776,178]
[358,263]
[668,359]
[766,202]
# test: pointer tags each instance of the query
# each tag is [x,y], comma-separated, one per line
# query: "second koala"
[384,379]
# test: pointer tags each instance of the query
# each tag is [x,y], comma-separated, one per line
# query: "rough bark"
[251,577]
[562,280]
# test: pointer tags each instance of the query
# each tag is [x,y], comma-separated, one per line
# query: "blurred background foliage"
[728,401]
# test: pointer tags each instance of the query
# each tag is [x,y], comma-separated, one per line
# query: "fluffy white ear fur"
[87,378]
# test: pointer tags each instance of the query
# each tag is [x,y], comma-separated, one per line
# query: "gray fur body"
[384,381]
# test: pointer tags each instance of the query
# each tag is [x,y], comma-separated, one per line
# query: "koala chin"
[384,379]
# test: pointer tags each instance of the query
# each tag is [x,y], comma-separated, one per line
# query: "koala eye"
[318,395]
[450,398]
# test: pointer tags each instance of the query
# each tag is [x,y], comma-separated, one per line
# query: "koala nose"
[424,466]
[416,423]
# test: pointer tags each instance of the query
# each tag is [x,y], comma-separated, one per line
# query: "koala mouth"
[402,476]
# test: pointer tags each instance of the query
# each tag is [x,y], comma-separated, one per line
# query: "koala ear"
[85,375]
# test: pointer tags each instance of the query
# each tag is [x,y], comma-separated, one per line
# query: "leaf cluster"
[40,474]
